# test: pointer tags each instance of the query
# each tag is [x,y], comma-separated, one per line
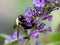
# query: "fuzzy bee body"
[21,23]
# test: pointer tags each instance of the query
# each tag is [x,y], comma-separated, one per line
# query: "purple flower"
[28,14]
[28,20]
[6,40]
[27,9]
[47,29]
[14,36]
[37,22]
[35,1]
[39,12]
[50,0]
[11,38]
[37,42]
[36,8]
[43,16]
[49,17]
[40,26]
[50,29]
[39,3]
[34,34]
[34,13]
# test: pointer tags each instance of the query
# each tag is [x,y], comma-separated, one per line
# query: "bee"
[21,23]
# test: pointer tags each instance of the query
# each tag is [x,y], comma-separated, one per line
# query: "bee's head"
[20,17]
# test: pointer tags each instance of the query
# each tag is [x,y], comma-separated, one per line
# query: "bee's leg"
[14,26]
[19,43]
[18,32]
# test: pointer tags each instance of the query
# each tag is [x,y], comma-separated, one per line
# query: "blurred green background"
[10,9]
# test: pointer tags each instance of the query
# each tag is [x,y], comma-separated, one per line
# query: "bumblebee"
[22,23]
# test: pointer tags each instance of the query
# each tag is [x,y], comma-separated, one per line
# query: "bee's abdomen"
[26,26]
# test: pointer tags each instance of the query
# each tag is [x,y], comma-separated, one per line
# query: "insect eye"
[20,17]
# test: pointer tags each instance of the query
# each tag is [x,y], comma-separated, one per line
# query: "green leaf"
[2,38]
[55,37]
[14,42]
[55,43]
[4,35]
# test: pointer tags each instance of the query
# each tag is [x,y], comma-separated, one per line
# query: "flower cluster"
[39,3]
[41,11]
[11,38]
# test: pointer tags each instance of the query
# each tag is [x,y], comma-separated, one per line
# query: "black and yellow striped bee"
[21,24]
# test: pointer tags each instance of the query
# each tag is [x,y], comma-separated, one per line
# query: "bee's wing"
[21,29]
